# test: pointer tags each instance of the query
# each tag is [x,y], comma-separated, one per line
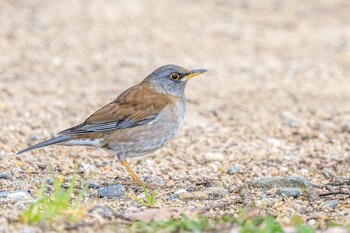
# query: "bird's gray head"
[172,79]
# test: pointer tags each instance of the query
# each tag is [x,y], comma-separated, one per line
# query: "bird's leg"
[132,173]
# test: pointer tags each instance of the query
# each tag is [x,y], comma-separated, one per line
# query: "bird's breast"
[152,136]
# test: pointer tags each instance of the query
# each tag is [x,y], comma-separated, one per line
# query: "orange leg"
[132,173]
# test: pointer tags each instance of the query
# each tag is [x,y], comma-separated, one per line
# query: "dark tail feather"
[52,141]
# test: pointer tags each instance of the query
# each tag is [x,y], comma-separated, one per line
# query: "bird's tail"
[49,142]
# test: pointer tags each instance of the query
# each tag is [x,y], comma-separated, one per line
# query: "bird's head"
[172,79]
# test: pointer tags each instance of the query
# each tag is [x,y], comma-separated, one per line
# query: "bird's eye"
[175,76]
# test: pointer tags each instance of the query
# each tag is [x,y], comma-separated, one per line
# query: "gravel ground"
[275,102]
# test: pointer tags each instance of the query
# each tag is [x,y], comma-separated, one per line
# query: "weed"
[200,223]
[59,204]
[260,225]
[149,198]
[175,225]
[297,222]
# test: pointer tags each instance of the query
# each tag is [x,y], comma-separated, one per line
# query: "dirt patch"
[274,103]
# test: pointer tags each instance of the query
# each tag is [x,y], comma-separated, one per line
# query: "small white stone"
[274,141]
[180,191]
[213,156]
[150,162]
[304,171]
[87,168]
[141,196]
[17,195]
[214,166]
[311,222]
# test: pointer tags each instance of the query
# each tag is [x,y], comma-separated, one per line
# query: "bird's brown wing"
[136,106]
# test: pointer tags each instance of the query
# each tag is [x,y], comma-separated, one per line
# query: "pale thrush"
[139,121]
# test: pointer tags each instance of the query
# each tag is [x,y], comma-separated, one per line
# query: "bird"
[141,120]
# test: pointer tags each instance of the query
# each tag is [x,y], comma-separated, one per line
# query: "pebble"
[213,156]
[311,222]
[176,194]
[42,166]
[5,176]
[216,192]
[111,191]
[270,202]
[304,171]
[345,128]
[233,189]
[312,194]
[281,182]
[233,169]
[132,209]
[141,196]
[32,139]
[93,186]
[2,154]
[155,181]
[19,182]
[289,192]
[103,211]
[328,173]
[86,168]
[109,182]
[17,195]
[326,125]
[186,196]
[290,155]
[49,181]
[331,204]
[342,180]
[17,169]
[274,142]
[215,166]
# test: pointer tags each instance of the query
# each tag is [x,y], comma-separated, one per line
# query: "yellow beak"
[193,74]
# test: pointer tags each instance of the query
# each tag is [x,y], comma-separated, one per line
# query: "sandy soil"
[275,102]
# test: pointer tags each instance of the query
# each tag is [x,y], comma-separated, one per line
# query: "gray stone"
[103,211]
[233,169]
[289,192]
[17,195]
[216,192]
[331,204]
[5,176]
[312,194]
[345,128]
[111,191]
[281,182]
[49,181]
